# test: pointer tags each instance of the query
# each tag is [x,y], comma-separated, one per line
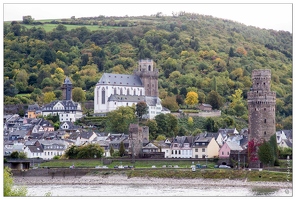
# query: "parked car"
[224,166]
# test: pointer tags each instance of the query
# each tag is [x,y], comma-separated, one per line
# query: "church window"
[98,96]
[103,96]
[121,91]
[141,92]
[128,91]
[114,90]
[134,92]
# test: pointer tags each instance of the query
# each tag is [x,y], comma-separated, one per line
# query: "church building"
[115,90]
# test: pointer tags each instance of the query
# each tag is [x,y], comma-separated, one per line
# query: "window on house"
[196,150]
[228,153]
[179,151]
[222,152]
[203,150]
[264,120]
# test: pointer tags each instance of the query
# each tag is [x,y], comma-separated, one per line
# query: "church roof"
[120,79]
[125,98]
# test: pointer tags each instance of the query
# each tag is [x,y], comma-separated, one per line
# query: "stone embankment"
[125,180]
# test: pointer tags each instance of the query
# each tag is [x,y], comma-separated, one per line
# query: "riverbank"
[125,180]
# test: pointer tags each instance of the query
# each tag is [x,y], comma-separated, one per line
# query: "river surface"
[150,190]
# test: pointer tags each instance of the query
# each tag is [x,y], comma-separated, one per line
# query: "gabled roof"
[35,149]
[234,146]
[152,101]
[150,146]
[86,135]
[120,79]
[33,107]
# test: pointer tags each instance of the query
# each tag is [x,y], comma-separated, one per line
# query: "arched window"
[115,90]
[120,91]
[103,96]
[128,91]
[134,92]
[149,68]
[98,96]
[264,120]
[140,92]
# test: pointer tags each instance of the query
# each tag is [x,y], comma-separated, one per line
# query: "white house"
[67,109]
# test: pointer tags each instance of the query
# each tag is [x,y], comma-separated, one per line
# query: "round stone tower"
[261,106]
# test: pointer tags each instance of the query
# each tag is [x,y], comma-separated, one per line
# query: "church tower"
[261,107]
[67,89]
[149,77]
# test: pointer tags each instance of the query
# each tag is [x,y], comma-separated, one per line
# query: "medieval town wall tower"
[261,107]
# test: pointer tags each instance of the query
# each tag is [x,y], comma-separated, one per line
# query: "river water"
[150,190]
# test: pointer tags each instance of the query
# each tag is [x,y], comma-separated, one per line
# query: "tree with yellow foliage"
[191,98]
[49,97]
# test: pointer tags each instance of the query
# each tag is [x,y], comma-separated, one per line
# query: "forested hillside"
[213,57]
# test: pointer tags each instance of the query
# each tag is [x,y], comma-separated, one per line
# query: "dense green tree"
[111,151]
[14,154]
[120,119]
[78,95]
[141,109]
[274,146]
[266,154]
[170,103]
[49,97]
[121,149]
[214,99]
[10,88]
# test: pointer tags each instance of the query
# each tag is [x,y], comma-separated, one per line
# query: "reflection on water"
[150,190]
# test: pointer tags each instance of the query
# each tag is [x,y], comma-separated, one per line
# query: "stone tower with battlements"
[149,77]
[261,107]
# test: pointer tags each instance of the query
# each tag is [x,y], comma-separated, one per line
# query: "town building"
[67,109]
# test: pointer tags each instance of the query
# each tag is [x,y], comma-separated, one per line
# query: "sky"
[268,14]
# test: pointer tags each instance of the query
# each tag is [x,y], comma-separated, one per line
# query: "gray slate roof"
[125,98]
[120,79]
[234,146]
[68,105]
